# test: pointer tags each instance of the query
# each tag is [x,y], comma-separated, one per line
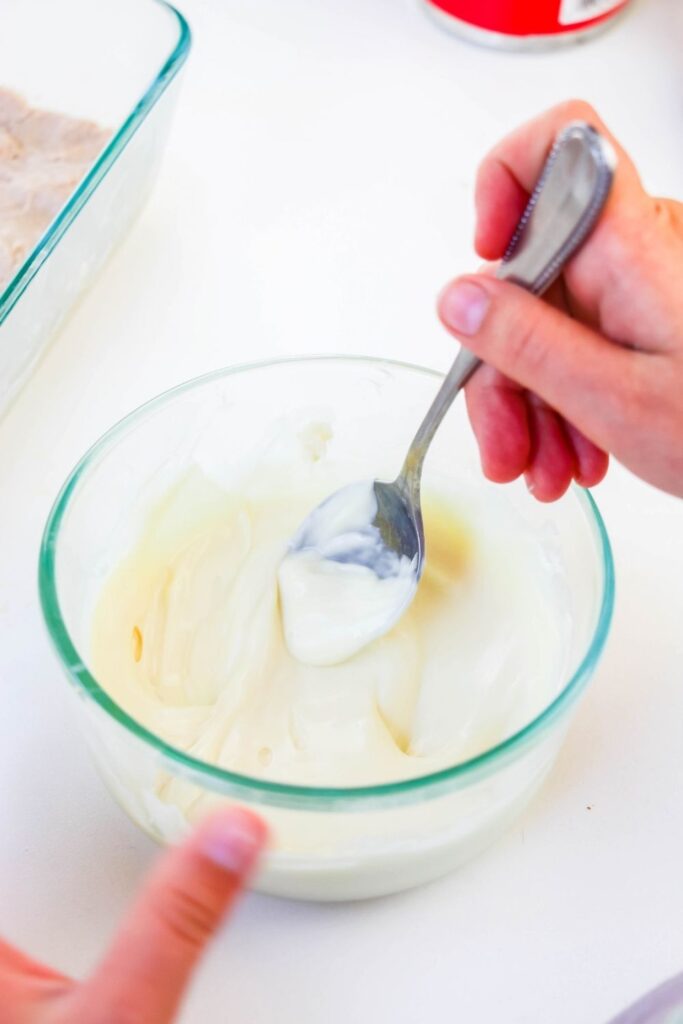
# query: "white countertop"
[316,194]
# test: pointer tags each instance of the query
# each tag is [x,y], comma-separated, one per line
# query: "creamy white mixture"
[340,586]
[188,637]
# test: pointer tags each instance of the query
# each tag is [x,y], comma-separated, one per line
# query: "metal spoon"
[561,212]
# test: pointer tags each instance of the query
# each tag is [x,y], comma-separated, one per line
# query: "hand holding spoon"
[354,565]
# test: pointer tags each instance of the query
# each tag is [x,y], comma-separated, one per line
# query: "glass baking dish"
[115,62]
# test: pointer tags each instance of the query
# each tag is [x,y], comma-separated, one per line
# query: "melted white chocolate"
[340,586]
[187,637]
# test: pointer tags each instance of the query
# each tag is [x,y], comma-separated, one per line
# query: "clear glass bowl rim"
[284,794]
[119,140]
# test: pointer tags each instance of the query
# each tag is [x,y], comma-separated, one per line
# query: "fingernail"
[233,839]
[463,306]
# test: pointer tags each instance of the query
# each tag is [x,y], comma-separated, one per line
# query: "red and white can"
[525,24]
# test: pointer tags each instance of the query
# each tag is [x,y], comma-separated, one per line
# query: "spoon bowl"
[349,555]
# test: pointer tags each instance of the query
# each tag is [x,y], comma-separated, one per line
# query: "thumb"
[575,370]
[144,974]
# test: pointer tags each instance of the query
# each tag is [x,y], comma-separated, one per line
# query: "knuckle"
[635,400]
[525,341]
[667,217]
[634,395]
[187,918]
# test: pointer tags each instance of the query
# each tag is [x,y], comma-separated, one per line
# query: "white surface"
[315,196]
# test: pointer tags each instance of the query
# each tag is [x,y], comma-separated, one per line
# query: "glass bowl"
[327,843]
[115,62]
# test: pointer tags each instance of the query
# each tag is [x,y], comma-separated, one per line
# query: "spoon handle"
[563,209]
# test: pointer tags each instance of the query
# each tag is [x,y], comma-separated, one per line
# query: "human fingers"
[497,410]
[591,462]
[588,380]
[509,172]
[145,973]
[552,462]
[502,424]
[28,989]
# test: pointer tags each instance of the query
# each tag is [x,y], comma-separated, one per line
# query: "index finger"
[144,975]
[507,175]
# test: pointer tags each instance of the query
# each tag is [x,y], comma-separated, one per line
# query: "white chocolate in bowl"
[187,638]
[307,428]
[340,586]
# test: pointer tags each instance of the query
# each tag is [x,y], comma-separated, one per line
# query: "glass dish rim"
[18,284]
[280,793]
